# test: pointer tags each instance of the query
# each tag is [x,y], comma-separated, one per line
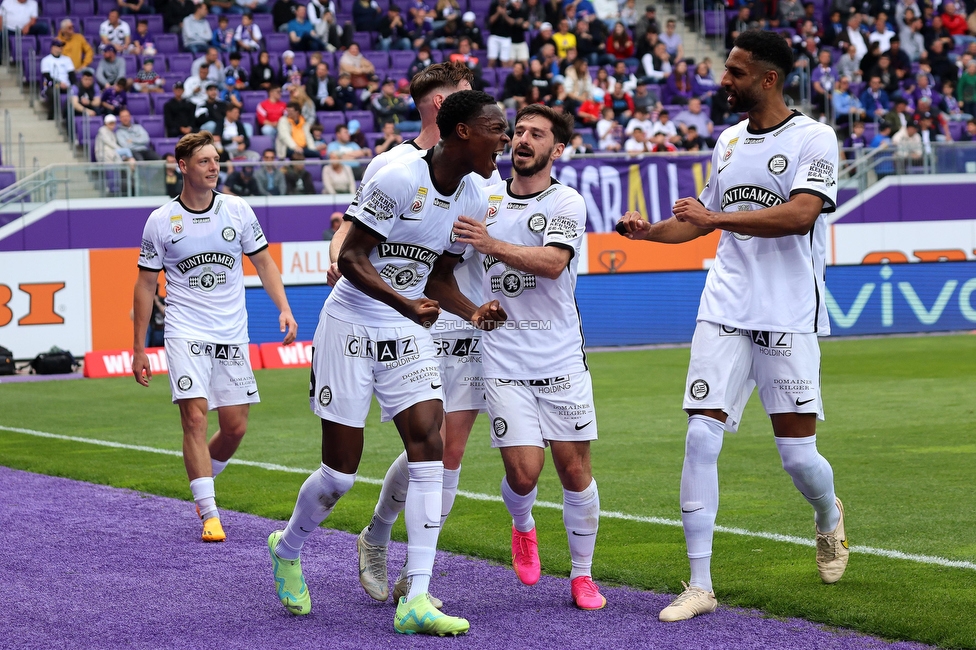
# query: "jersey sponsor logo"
[176,224]
[148,250]
[579,426]
[494,202]
[773,344]
[751,194]
[788,126]
[380,205]
[754,140]
[257,231]
[564,227]
[220,202]
[516,206]
[228,233]
[729,149]
[397,352]
[460,189]
[413,252]
[403,277]
[777,164]
[461,348]
[325,396]
[200,259]
[794,385]
[512,282]
[490,261]
[184,383]
[537,222]
[726,330]
[552,189]
[806,401]
[218,351]
[441,203]
[821,171]
[198,220]
[698,389]
[359,346]
[418,200]
[207,280]
[499,427]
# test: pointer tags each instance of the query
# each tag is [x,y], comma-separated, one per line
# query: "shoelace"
[525,544]
[687,594]
[588,588]
[826,544]
[374,554]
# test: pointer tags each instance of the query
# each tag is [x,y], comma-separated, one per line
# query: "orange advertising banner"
[611,253]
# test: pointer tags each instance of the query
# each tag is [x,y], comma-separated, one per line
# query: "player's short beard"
[533,167]
[745,101]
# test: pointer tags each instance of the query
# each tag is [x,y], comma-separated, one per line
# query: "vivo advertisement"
[648,308]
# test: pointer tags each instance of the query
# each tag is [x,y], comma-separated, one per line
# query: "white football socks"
[393,498]
[218,466]
[422,516]
[316,499]
[203,493]
[699,494]
[812,476]
[451,479]
[520,507]
[581,516]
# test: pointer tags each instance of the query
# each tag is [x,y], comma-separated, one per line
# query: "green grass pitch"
[899,434]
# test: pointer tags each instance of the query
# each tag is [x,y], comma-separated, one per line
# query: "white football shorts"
[460,361]
[533,412]
[727,363]
[351,362]
[218,372]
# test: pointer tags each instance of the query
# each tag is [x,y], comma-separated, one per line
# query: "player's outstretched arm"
[334,247]
[142,302]
[545,261]
[354,264]
[271,281]
[670,231]
[795,217]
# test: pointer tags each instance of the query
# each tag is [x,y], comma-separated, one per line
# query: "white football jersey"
[543,337]
[773,284]
[405,148]
[402,207]
[201,253]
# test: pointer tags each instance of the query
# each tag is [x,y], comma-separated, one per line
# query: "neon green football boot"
[289,581]
[419,616]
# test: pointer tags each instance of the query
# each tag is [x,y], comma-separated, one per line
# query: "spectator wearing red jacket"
[270,111]
[621,45]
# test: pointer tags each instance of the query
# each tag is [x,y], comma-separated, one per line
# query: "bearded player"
[773,178]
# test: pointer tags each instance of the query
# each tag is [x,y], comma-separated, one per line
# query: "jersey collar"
[508,188]
[213,197]
[774,127]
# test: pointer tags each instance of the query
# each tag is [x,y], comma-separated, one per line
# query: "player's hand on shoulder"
[424,311]
[489,315]
[633,225]
[333,274]
[474,232]
[289,325]
[141,369]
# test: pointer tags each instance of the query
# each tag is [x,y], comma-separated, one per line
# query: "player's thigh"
[514,413]
[233,419]
[572,462]
[405,369]
[786,367]
[341,380]
[566,408]
[190,368]
[719,372]
[459,359]
[232,380]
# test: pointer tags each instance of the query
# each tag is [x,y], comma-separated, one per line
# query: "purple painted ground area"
[18,379]
[97,567]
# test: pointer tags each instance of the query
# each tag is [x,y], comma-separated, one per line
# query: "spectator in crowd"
[518,13]
[499,33]
[969,135]
[517,86]
[881,33]
[57,71]
[175,12]
[294,134]
[693,115]
[147,80]
[318,139]
[235,74]
[692,140]
[665,125]
[672,39]
[197,33]
[848,64]
[542,38]
[223,36]
[172,178]
[263,75]
[899,115]
[822,79]
[231,135]
[84,98]
[554,11]
[647,23]
[107,148]
[445,9]
[393,33]
[847,108]
[789,12]
[366,15]
[955,22]
[855,37]
[270,178]
[270,112]
[179,114]
[248,36]
[578,83]
[643,98]
[213,110]
[300,97]
[419,31]
[335,221]
[110,68]
[468,58]
[660,143]
[346,97]
[360,69]
[301,32]
[949,106]
[875,100]
[629,14]
[241,182]
[923,89]
[469,29]
[641,120]
[637,143]
[195,86]
[621,103]
[855,140]
[620,45]
[76,46]
[908,146]
[387,106]
[143,42]
[447,35]
[389,138]
[966,89]
[622,75]
[298,180]
[215,67]
[540,79]
[564,39]
[421,62]
[589,48]
[21,16]
[114,32]
[657,65]
[328,31]
[337,178]
[289,73]
[737,25]
[343,146]
[114,98]
[321,89]
[912,40]
[135,7]
[282,13]
[577,147]
[134,137]
[254,6]
[608,132]
[703,84]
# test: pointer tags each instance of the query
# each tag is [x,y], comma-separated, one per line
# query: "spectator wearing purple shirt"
[923,88]
[694,116]
[703,85]
[678,89]
[114,98]
[822,78]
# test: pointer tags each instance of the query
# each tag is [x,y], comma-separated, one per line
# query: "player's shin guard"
[316,499]
[581,516]
[393,497]
[812,476]
[519,506]
[422,516]
[451,479]
[699,494]
[203,493]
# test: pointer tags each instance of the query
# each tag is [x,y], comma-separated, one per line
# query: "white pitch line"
[477,496]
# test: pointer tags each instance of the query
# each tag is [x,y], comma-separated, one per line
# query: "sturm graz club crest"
[402,277]
[207,280]
[184,383]
[512,283]
[500,427]
[537,222]
[325,396]
[699,389]
[228,234]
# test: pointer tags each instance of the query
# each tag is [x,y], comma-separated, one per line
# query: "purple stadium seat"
[130,21]
[167,44]
[402,59]
[329,120]
[366,119]
[364,39]
[261,142]
[105,6]
[870,130]
[276,42]
[82,7]
[264,22]
[159,100]
[91,24]
[956,129]
[301,60]
[493,91]
[132,64]
[212,20]
[138,103]
[54,8]
[179,65]
[251,99]
[153,124]
[164,146]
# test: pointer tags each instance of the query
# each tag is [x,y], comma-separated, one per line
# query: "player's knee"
[702,445]
[194,422]
[522,482]
[235,430]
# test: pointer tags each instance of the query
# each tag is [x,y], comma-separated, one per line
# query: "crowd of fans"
[617,69]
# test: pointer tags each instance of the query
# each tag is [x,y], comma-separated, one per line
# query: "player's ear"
[463,131]
[557,151]
[437,99]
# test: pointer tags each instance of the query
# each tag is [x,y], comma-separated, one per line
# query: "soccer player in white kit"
[537,383]
[772,178]
[373,338]
[199,240]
